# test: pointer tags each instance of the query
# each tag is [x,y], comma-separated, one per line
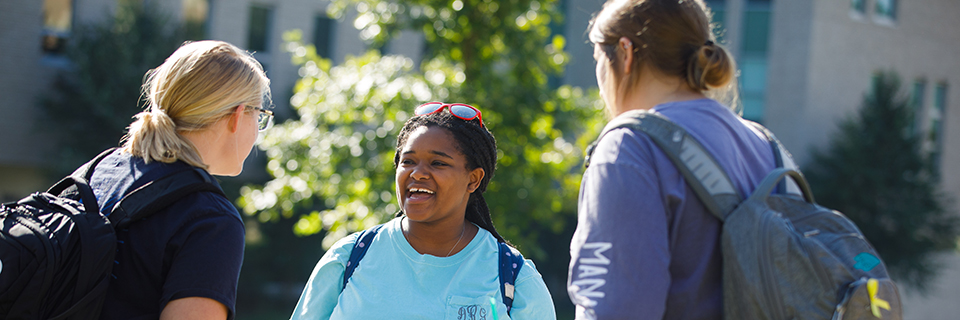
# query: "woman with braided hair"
[440,258]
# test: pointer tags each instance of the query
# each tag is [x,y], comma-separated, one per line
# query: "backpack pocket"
[870,298]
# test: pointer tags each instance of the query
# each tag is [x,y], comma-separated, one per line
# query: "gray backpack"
[784,257]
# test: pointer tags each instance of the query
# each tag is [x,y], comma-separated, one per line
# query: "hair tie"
[709,43]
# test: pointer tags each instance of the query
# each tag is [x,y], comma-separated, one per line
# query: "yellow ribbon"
[876,303]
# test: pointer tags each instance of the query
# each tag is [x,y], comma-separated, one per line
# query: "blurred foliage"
[876,172]
[93,101]
[332,166]
[276,264]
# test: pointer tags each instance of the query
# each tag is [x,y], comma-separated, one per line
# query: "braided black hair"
[479,147]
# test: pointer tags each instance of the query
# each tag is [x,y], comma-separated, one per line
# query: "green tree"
[332,166]
[95,98]
[876,173]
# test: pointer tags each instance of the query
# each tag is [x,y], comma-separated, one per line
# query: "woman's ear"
[476,176]
[233,124]
[625,54]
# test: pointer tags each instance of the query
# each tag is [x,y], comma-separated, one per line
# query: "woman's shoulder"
[623,147]
[702,115]
[208,204]
[343,247]
[528,271]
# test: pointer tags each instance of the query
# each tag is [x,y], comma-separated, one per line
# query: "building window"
[937,114]
[916,103]
[718,8]
[323,27]
[753,58]
[258,34]
[57,22]
[195,18]
[887,9]
[859,6]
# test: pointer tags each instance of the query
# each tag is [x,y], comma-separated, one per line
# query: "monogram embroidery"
[473,312]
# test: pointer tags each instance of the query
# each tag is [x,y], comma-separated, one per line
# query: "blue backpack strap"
[510,263]
[359,250]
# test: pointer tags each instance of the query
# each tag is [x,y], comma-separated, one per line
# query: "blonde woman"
[204,109]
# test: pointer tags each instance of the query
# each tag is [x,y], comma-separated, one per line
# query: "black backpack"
[57,249]
[510,263]
[784,257]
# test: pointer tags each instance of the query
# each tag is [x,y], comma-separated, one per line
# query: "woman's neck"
[652,89]
[438,239]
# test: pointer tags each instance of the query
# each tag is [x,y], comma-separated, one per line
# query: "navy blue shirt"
[193,248]
[645,246]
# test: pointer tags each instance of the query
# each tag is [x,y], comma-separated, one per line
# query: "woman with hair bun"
[645,246]
[204,109]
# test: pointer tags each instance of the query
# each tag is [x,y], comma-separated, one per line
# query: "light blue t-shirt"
[395,281]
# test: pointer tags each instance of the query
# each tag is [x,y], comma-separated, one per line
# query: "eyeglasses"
[459,110]
[264,118]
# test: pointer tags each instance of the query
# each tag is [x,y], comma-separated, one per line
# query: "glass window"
[754,73]
[887,8]
[57,22]
[940,97]
[859,5]
[753,84]
[195,18]
[919,87]
[937,114]
[323,27]
[258,39]
[917,99]
[718,7]
[753,58]
[756,26]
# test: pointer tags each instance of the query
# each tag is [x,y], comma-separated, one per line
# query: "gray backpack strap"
[782,159]
[701,171]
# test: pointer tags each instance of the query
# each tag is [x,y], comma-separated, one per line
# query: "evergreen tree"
[875,172]
[96,97]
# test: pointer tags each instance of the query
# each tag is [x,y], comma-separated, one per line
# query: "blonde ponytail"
[197,85]
[154,136]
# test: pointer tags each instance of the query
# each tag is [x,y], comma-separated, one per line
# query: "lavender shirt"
[645,247]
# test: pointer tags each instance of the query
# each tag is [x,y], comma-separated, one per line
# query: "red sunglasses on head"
[459,110]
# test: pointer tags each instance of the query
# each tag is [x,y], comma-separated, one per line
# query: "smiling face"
[433,181]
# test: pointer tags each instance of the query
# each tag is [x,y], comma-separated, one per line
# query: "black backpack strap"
[359,250]
[158,194]
[86,170]
[510,263]
[698,167]
[77,184]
